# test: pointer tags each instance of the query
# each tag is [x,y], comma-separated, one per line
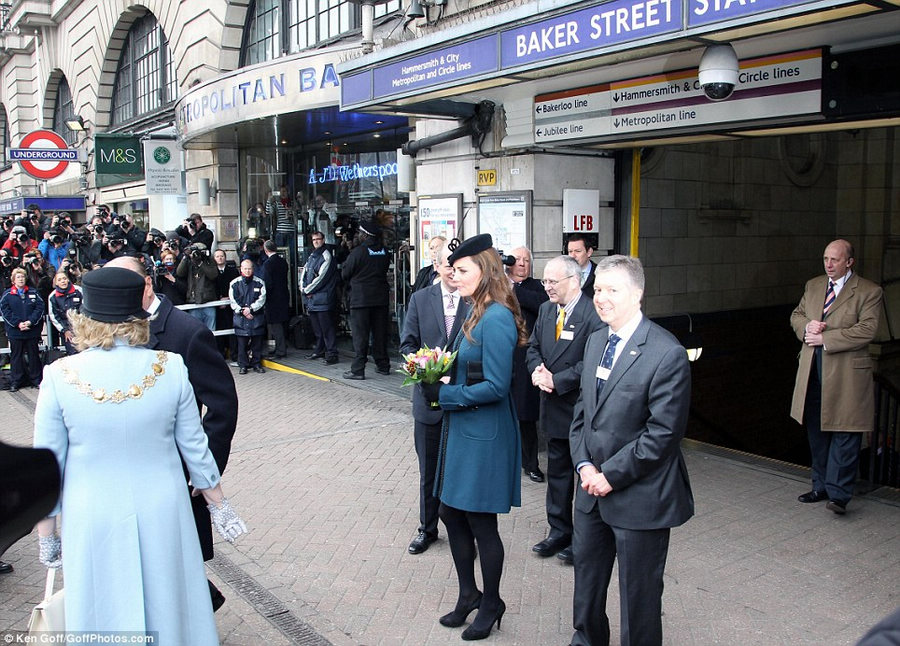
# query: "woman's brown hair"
[493,287]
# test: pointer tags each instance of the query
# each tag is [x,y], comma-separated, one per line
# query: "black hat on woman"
[471,247]
[113,295]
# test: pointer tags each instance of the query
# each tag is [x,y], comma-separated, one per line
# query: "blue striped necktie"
[829,298]
[607,360]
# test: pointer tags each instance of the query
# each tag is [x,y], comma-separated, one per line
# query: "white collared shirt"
[444,293]
[626,332]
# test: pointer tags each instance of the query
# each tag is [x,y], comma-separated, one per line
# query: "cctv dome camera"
[718,72]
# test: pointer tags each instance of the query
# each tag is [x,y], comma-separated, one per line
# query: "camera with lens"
[22,238]
[507,260]
[7,260]
[29,259]
[7,223]
[81,239]
[197,252]
[97,229]
[56,238]
[116,239]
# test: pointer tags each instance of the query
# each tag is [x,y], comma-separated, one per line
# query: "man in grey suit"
[554,360]
[434,318]
[629,421]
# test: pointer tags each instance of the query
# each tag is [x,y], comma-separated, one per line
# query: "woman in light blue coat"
[480,460]
[117,416]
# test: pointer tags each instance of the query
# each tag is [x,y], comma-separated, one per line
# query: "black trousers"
[428,440]
[324,329]
[528,433]
[835,455]
[276,333]
[642,561]
[560,487]
[24,362]
[250,350]
[363,321]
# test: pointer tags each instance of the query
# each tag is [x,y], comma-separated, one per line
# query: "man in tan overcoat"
[834,398]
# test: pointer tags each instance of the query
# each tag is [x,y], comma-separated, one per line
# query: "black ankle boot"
[484,623]
[459,615]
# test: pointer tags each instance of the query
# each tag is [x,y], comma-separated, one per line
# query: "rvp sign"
[581,210]
[43,154]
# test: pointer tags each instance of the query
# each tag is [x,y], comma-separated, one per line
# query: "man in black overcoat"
[278,299]
[530,295]
[431,311]
[176,331]
[554,358]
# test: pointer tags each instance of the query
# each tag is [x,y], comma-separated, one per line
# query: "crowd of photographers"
[52,254]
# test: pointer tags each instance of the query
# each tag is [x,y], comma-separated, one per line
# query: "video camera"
[507,260]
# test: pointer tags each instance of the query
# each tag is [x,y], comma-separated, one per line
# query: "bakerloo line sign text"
[350,173]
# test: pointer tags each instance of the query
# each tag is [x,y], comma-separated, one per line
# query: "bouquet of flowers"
[426,366]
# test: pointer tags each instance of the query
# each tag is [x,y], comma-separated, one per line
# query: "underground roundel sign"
[43,154]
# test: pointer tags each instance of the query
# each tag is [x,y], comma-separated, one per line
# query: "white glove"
[226,521]
[50,551]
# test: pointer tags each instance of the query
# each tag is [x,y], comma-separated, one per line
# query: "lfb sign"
[581,210]
[43,154]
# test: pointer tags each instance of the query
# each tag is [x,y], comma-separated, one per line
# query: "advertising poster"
[439,215]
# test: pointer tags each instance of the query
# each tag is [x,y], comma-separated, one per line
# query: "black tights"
[464,530]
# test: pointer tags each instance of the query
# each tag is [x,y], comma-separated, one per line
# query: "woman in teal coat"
[479,463]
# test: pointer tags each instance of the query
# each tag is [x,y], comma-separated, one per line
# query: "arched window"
[64,110]
[277,26]
[145,80]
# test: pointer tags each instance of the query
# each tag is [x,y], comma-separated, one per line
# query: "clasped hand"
[542,378]
[813,333]
[594,482]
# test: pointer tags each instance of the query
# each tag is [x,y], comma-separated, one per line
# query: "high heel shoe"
[477,629]
[460,613]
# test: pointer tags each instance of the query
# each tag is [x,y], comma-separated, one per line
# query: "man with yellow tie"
[554,359]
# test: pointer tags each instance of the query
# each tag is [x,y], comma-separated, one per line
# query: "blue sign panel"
[17,204]
[607,24]
[43,154]
[705,12]
[439,67]
[356,88]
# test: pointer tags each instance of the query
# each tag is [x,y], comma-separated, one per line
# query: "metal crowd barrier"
[46,333]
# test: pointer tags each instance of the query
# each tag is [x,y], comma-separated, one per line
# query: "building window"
[145,81]
[277,26]
[4,138]
[64,110]
[262,36]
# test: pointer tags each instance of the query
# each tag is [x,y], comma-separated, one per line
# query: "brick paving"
[325,474]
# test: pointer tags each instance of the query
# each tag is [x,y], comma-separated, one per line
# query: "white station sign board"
[768,87]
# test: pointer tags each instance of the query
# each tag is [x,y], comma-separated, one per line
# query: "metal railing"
[47,327]
[883,456]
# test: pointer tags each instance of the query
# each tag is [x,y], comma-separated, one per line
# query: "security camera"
[718,72]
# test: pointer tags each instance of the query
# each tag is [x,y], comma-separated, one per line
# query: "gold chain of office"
[134,391]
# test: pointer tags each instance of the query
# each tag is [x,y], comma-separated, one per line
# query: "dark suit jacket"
[175,331]
[424,325]
[564,359]
[29,482]
[277,292]
[632,432]
[530,294]
[588,288]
